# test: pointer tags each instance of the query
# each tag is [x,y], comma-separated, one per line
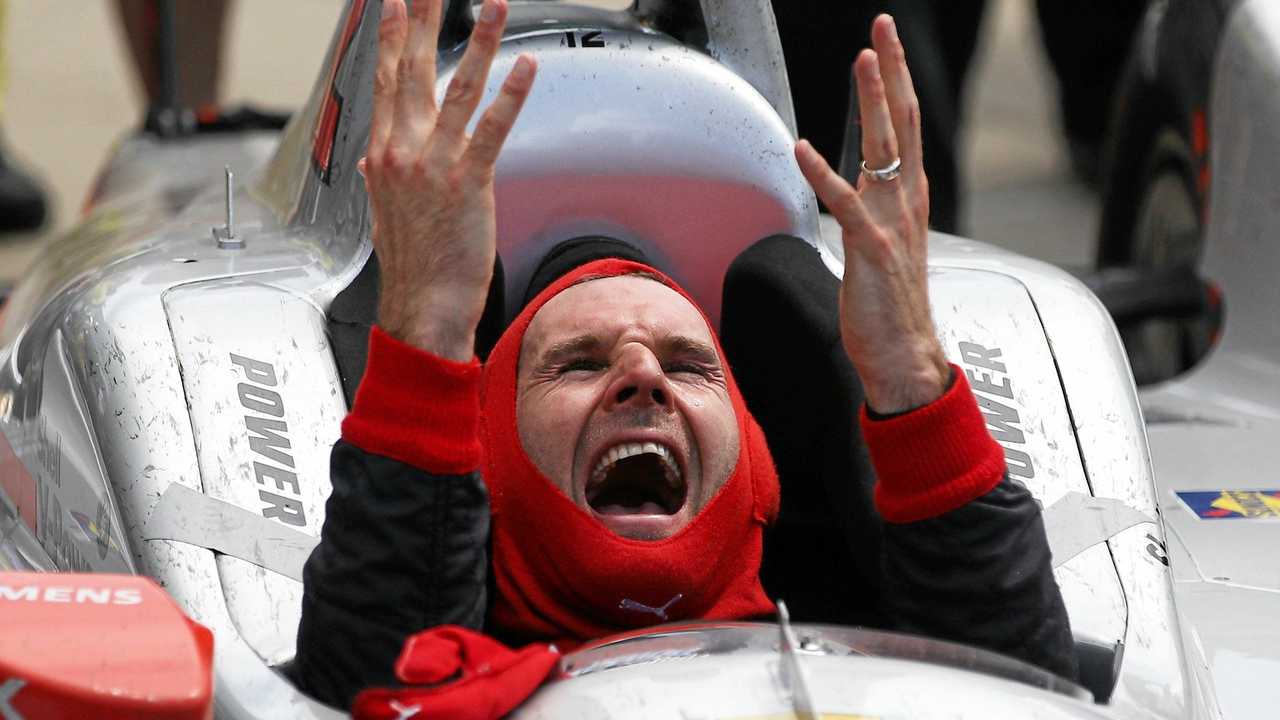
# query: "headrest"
[645,141]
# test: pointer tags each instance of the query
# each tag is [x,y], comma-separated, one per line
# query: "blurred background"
[72,92]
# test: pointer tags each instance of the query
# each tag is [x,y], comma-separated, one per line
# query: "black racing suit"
[403,550]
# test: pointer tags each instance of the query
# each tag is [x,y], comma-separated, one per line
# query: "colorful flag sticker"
[93,532]
[1233,504]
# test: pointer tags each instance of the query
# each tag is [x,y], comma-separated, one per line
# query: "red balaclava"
[564,577]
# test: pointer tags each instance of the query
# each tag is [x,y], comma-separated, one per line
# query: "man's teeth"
[626,450]
[647,508]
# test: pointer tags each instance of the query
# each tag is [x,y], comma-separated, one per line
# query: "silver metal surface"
[1072,425]
[265,405]
[990,328]
[668,150]
[1082,423]
[187,516]
[743,36]
[732,670]
[1217,425]
[1077,522]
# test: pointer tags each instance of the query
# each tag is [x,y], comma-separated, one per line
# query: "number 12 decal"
[589,39]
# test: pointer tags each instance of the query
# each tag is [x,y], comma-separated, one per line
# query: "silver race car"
[173,373]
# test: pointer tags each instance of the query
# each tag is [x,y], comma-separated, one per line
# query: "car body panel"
[1110,440]
[1214,429]
[265,403]
[740,670]
[691,207]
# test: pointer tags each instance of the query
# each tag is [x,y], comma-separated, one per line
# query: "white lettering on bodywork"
[30,593]
[269,438]
[8,691]
[404,712]
[992,388]
[68,594]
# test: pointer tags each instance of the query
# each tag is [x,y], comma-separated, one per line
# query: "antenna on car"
[225,236]
[789,665]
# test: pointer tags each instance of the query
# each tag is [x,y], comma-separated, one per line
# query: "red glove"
[459,674]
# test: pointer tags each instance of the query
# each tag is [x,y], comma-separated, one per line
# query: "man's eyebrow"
[685,346]
[669,346]
[566,349]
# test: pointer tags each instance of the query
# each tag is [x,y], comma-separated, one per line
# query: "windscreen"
[700,639]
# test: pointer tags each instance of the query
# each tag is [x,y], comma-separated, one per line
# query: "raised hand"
[885,321]
[430,184]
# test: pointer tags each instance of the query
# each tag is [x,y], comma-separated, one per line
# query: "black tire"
[1142,113]
[1165,232]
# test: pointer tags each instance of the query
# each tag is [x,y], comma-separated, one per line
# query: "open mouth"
[637,478]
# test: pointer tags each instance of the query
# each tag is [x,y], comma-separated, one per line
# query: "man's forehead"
[612,304]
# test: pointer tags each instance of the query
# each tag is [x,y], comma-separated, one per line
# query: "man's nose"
[640,382]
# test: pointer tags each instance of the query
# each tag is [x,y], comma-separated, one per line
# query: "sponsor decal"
[17,485]
[8,691]
[326,130]
[993,389]
[1157,550]
[48,452]
[269,439]
[69,594]
[54,533]
[661,612]
[1233,504]
[97,531]
[404,712]
[592,39]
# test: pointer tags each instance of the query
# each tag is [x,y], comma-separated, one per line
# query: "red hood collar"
[561,575]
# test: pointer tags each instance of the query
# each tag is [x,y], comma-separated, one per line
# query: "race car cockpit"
[185,390]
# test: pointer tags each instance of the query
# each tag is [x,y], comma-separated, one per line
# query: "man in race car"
[600,471]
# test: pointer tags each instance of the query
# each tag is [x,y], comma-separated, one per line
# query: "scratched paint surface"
[990,329]
[265,409]
[1093,375]
[743,684]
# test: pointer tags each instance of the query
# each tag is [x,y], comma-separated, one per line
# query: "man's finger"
[900,93]
[416,75]
[834,191]
[497,121]
[467,86]
[391,38]
[879,142]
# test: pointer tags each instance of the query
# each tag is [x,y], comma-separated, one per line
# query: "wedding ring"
[884,174]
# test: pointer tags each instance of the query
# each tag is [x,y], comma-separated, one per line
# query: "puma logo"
[661,612]
[405,712]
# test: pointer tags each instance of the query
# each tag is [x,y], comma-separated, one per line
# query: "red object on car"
[99,646]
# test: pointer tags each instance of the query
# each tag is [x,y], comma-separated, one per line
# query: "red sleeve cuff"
[417,408]
[934,459]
